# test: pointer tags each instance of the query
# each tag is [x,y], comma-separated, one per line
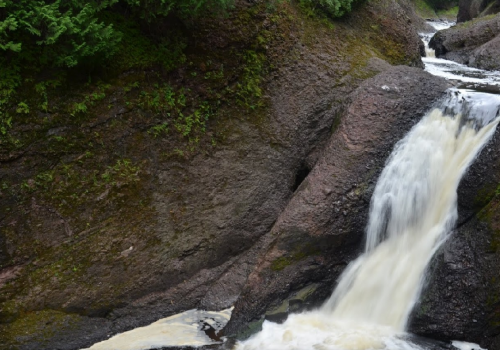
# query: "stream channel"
[412,211]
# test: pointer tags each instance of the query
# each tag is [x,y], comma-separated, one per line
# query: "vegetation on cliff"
[437,8]
[442,4]
[45,45]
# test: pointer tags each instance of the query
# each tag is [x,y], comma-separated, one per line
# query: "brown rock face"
[175,232]
[469,9]
[487,55]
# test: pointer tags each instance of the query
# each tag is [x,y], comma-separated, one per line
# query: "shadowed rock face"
[322,227]
[476,44]
[486,56]
[469,9]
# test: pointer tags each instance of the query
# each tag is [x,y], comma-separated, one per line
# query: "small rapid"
[468,76]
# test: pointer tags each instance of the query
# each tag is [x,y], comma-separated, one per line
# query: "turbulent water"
[412,211]
[474,77]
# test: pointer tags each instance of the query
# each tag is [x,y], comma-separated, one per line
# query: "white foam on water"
[452,70]
[462,345]
[318,331]
[185,329]
[455,71]
[441,25]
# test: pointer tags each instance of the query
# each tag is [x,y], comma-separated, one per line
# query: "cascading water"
[412,209]
[472,77]
[426,37]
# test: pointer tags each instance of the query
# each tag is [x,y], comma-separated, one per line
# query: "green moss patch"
[424,10]
[39,326]
[299,253]
[450,14]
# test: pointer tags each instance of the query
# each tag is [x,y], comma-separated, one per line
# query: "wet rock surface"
[476,43]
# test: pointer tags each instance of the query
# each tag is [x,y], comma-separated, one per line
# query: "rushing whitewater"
[426,37]
[412,210]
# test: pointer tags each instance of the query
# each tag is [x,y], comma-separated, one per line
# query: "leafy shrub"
[63,33]
[59,33]
[442,4]
[151,9]
[334,8]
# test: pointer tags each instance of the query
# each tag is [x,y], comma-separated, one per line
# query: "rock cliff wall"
[322,227]
[108,222]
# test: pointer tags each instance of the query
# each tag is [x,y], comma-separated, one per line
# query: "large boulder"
[322,227]
[487,56]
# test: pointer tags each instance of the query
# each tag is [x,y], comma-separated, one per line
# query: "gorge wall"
[109,221]
[322,227]
[468,10]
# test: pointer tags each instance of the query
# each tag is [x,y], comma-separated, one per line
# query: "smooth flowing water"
[412,210]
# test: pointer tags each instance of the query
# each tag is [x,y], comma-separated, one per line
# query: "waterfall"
[426,37]
[412,210]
